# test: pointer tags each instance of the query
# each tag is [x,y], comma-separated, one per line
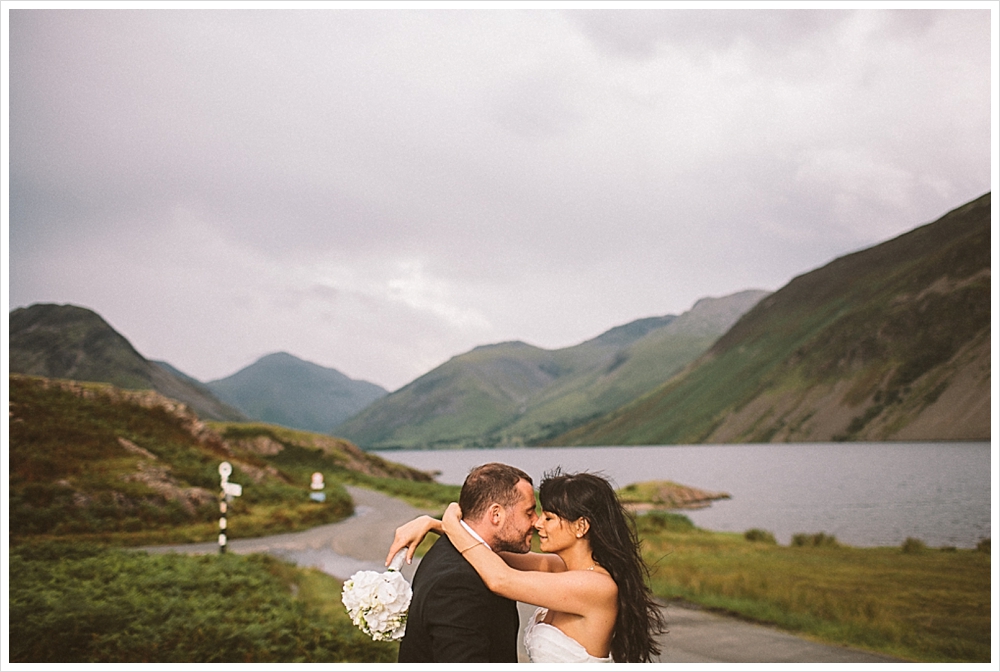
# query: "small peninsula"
[666,495]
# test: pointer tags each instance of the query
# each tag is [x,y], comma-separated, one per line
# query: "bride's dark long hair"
[615,547]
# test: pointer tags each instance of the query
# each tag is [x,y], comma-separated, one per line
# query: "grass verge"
[86,603]
[929,607]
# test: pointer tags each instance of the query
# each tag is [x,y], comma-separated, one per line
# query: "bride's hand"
[409,535]
[451,520]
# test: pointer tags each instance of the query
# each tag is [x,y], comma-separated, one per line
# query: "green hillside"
[637,368]
[460,401]
[284,390]
[892,342]
[518,394]
[66,341]
[94,462]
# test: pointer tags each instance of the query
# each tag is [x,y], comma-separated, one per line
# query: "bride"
[588,581]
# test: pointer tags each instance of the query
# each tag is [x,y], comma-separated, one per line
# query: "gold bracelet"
[470,547]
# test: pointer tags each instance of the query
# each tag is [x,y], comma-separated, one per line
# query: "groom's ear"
[495,514]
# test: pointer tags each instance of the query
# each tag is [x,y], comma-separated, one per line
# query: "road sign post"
[229,490]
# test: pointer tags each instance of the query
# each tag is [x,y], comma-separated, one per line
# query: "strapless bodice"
[548,644]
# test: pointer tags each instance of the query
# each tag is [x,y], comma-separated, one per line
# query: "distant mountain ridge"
[75,343]
[889,343]
[284,390]
[517,394]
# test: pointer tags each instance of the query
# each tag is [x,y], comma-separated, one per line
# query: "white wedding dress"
[548,644]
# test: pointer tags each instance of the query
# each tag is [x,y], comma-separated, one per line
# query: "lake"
[865,494]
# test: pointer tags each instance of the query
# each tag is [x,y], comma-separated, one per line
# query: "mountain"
[889,343]
[66,341]
[517,394]
[284,390]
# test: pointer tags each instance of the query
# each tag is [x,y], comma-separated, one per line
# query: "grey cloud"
[639,33]
[379,190]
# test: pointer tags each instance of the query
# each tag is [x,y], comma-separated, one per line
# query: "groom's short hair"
[489,483]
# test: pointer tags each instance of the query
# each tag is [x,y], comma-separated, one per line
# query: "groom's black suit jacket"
[453,616]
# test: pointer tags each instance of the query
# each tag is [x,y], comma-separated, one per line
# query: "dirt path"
[339,549]
[695,636]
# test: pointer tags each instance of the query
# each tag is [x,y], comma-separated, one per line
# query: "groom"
[453,617]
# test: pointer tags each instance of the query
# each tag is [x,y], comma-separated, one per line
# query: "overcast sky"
[378,191]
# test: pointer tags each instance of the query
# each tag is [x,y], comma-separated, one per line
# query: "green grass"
[87,604]
[427,496]
[304,453]
[932,606]
[71,477]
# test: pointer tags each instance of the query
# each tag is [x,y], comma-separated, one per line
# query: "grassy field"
[913,602]
[84,603]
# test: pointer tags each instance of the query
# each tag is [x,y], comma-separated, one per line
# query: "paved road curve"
[695,636]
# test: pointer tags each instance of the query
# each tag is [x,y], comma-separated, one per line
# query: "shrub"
[983,546]
[912,545]
[757,534]
[818,540]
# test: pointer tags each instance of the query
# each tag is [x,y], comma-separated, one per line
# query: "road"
[695,635]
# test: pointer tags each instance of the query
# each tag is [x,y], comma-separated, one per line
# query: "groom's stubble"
[514,536]
[511,542]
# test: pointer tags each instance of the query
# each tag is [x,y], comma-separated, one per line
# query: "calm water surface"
[866,494]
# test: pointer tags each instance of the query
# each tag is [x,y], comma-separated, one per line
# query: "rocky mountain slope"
[517,394]
[889,343]
[66,341]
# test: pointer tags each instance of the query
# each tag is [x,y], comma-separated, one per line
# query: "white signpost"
[229,490]
[317,485]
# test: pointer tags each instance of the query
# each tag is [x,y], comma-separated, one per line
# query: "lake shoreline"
[864,494]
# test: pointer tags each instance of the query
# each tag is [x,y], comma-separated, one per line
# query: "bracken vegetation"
[88,462]
[79,603]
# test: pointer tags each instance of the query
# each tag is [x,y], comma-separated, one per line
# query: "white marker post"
[229,490]
[317,485]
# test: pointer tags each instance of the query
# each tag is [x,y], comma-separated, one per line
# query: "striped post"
[222,523]
[225,469]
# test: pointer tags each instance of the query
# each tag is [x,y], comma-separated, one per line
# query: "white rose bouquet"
[378,602]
